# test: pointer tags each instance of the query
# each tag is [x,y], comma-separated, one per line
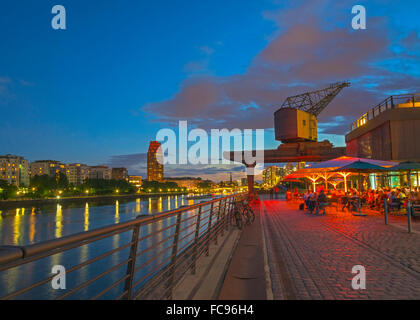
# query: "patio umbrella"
[361,167]
[325,167]
[407,166]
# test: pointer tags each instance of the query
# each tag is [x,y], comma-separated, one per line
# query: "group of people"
[353,200]
[395,198]
[315,201]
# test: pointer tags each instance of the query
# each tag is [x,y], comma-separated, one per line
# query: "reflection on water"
[117,211]
[86,217]
[138,207]
[32,226]
[53,221]
[24,226]
[17,226]
[160,206]
[59,222]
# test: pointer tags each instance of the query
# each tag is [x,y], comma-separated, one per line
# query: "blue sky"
[122,70]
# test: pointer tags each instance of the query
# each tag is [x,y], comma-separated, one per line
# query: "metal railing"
[395,101]
[144,258]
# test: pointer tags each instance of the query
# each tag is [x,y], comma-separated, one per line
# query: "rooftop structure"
[388,131]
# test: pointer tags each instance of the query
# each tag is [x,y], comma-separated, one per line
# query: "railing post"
[226,214]
[132,263]
[216,225]
[386,211]
[409,208]
[174,256]
[222,219]
[197,232]
[208,229]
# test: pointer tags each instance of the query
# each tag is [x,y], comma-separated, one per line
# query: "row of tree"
[45,186]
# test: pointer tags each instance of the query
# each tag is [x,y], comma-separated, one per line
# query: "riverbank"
[13,204]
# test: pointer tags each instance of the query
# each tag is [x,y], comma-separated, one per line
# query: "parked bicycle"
[243,213]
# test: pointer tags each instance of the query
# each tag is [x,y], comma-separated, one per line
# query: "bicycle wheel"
[247,216]
[251,214]
[238,220]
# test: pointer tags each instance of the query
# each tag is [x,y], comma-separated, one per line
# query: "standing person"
[276,191]
[306,199]
[322,202]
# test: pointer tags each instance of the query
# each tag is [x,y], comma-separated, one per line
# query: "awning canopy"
[361,167]
[343,166]
[406,166]
[345,161]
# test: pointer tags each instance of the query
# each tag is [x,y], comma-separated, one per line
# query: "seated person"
[345,202]
[394,201]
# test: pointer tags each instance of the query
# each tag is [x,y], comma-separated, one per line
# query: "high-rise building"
[15,170]
[49,167]
[269,175]
[119,174]
[77,173]
[272,175]
[100,172]
[154,162]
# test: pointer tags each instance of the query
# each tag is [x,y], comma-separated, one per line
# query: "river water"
[29,225]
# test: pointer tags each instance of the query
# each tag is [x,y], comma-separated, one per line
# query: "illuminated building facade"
[185,182]
[119,174]
[14,170]
[154,162]
[49,167]
[390,131]
[272,175]
[135,180]
[100,172]
[77,173]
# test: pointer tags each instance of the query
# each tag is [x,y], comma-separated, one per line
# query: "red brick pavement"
[311,256]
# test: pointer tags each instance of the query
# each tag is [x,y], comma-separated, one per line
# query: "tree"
[7,190]
[62,181]
[206,184]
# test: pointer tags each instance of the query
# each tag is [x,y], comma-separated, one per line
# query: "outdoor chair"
[416,209]
[395,205]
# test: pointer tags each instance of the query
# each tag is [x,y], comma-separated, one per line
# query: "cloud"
[136,164]
[4,80]
[302,55]
[207,50]
[196,66]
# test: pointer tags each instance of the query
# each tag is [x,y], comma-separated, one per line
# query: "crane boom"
[315,101]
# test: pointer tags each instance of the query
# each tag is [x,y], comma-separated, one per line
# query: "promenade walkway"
[304,256]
